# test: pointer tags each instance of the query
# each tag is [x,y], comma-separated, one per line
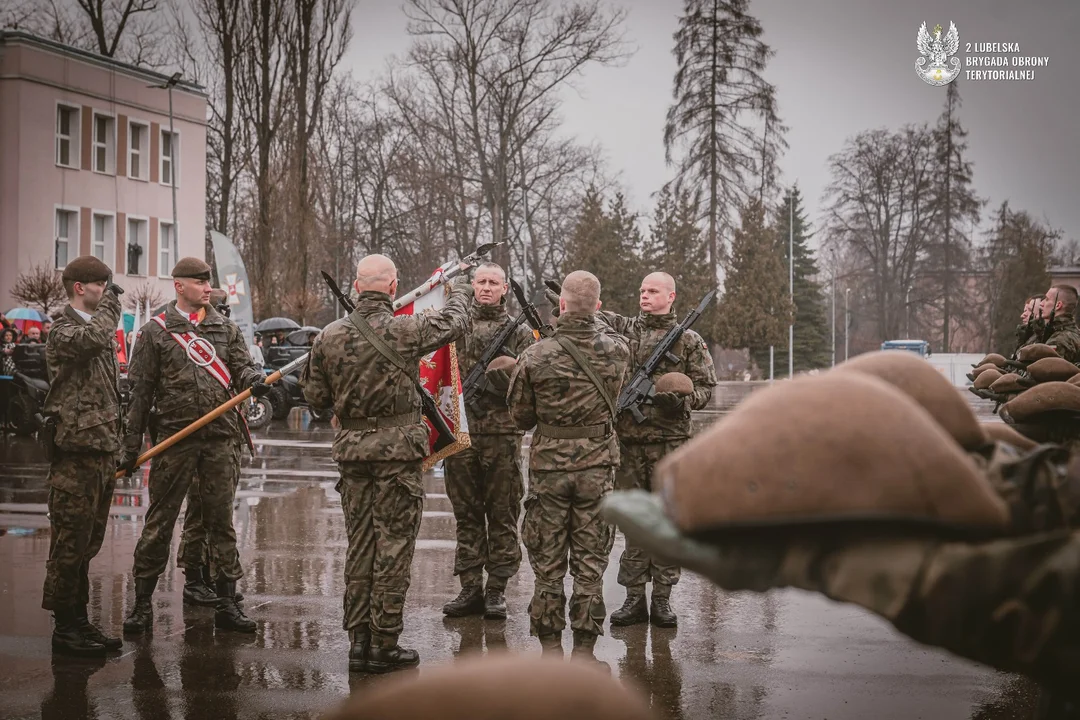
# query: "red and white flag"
[439,373]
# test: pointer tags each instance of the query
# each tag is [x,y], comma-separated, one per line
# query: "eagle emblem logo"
[937,66]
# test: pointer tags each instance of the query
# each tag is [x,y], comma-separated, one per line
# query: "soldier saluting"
[365,367]
[188,360]
[566,386]
[84,409]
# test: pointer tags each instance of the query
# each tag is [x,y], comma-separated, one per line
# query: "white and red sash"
[201,352]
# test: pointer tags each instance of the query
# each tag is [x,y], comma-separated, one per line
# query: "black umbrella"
[301,336]
[277,324]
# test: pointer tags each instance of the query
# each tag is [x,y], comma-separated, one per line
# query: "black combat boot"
[470,601]
[551,644]
[197,590]
[660,614]
[68,637]
[389,659]
[93,632]
[494,604]
[141,617]
[208,580]
[633,612]
[359,642]
[229,616]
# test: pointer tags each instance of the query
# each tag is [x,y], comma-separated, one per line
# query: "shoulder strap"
[361,323]
[588,369]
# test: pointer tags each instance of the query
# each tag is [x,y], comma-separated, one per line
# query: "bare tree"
[494,67]
[143,294]
[41,287]
[881,206]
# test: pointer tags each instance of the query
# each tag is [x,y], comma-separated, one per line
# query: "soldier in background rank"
[666,427]
[1063,335]
[484,481]
[188,361]
[83,407]
[567,386]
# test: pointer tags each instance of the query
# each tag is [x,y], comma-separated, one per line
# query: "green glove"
[669,403]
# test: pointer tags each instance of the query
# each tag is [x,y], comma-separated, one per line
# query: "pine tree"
[677,246]
[606,243]
[721,99]
[813,338]
[755,309]
[1016,258]
[955,203]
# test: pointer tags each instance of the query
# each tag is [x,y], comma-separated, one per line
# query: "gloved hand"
[113,288]
[129,460]
[875,572]
[669,403]
[259,388]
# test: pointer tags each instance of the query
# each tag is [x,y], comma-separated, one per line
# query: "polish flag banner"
[439,373]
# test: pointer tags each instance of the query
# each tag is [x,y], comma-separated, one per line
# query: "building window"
[67,136]
[103,239]
[170,251]
[67,239]
[136,247]
[104,144]
[137,150]
[170,154]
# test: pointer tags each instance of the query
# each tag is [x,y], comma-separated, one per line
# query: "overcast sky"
[841,66]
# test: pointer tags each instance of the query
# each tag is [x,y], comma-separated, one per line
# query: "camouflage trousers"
[194,551]
[563,530]
[636,567]
[80,494]
[382,503]
[485,487]
[216,463]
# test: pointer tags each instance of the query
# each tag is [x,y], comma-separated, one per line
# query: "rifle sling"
[588,369]
[360,323]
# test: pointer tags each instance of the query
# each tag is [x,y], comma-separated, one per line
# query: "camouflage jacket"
[644,333]
[83,370]
[1064,336]
[549,387]
[162,376]
[488,414]
[347,373]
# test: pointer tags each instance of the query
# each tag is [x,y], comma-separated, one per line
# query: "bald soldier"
[1063,334]
[667,426]
[484,481]
[566,386]
[189,360]
[83,406]
[366,368]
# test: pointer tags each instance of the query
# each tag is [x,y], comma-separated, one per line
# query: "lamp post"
[169,85]
[791,284]
[847,321]
[833,287]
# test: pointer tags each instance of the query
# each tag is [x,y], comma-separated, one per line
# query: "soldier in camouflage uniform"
[666,427]
[1063,335]
[1027,331]
[571,401]
[484,481]
[194,554]
[163,374]
[380,445]
[84,405]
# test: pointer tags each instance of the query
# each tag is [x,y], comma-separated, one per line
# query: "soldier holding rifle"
[365,367]
[654,430]
[187,361]
[83,437]
[484,482]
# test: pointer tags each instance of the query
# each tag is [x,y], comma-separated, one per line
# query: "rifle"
[530,313]
[641,388]
[444,436]
[475,381]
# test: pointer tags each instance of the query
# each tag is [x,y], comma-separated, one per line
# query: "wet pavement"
[735,655]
